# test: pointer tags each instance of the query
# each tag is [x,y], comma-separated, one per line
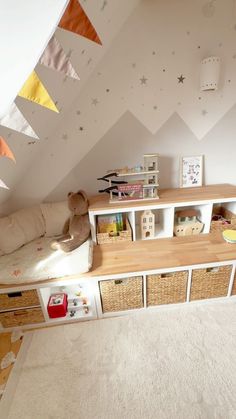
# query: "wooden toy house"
[187,223]
[147,224]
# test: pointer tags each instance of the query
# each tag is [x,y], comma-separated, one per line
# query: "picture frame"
[191,171]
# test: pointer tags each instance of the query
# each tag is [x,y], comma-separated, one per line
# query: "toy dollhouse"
[142,185]
[147,224]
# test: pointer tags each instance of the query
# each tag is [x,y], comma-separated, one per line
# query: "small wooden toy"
[187,223]
[147,224]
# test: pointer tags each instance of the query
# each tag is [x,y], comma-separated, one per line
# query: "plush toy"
[77,228]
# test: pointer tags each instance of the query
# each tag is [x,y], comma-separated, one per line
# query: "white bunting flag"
[16,121]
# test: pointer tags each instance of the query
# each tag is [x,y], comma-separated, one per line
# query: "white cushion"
[20,228]
[55,215]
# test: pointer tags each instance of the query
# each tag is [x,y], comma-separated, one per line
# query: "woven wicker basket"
[19,299]
[21,317]
[125,235]
[121,294]
[220,225]
[210,283]
[167,288]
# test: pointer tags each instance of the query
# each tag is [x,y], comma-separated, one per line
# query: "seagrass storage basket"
[121,294]
[210,282]
[220,225]
[21,317]
[20,299]
[124,235]
[167,288]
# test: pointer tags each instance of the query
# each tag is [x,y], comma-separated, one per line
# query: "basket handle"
[20,313]
[14,294]
[213,270]
[166,275]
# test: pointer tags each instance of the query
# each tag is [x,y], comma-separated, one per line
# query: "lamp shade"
[210,73]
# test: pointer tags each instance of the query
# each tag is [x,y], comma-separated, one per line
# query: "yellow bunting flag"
[5,151]
[35,91]
[75,20]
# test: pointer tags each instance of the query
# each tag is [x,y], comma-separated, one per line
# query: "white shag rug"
[172,364]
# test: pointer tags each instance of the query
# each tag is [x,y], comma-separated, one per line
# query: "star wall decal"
[65,137]
[134,65]
[181,79]
[103,5]
[81,128]
[89,61]
[204,112]
[95,102]
[155,107]
[143,80]
[78,112]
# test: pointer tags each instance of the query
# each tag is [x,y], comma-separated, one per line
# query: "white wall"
[160,41]
[26,27]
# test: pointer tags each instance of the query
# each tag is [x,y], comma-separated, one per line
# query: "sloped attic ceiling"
[24,177]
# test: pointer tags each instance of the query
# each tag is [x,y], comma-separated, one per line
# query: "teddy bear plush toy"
[77,227]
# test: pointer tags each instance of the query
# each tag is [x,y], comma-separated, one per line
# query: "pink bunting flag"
[5,150]
[55,58]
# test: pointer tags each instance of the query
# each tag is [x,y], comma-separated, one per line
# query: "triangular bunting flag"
[5,150]
[2,185]
[75,20]
[55,58]
[35,91]
[15,120]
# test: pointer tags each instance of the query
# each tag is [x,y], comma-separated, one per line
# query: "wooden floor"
[5,347]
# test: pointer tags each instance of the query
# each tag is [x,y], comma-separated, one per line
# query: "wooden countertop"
[161,254]
[148,255]
[170,196]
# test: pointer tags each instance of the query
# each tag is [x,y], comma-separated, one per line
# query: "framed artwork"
[191,168]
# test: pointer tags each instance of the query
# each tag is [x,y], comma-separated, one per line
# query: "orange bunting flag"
[5,151]
[75,20]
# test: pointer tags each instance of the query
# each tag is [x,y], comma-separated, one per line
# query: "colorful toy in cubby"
[57,305]
[187,223]
[111,224]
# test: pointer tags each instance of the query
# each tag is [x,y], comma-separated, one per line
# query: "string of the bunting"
[16,121]
[35,91]
[75,20]
[5,150]
[3,185]
[55,58]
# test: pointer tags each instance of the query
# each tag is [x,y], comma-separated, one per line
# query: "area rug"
[175,363]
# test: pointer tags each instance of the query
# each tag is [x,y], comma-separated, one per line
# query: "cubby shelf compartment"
[204,210]
[71,291]
[163,223]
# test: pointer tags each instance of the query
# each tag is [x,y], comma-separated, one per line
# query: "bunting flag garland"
[16,121]
[55,58]
[35,91]
[3,185]
[75,20]
[5,150]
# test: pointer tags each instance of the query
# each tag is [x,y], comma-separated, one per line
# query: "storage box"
[18,299]
[57,305]
[210,282]
[21,317]
[226,219]
[167,288]
[121,294]
[125,235]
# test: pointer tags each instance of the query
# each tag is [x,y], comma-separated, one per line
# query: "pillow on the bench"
[20,228]
[55,215]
